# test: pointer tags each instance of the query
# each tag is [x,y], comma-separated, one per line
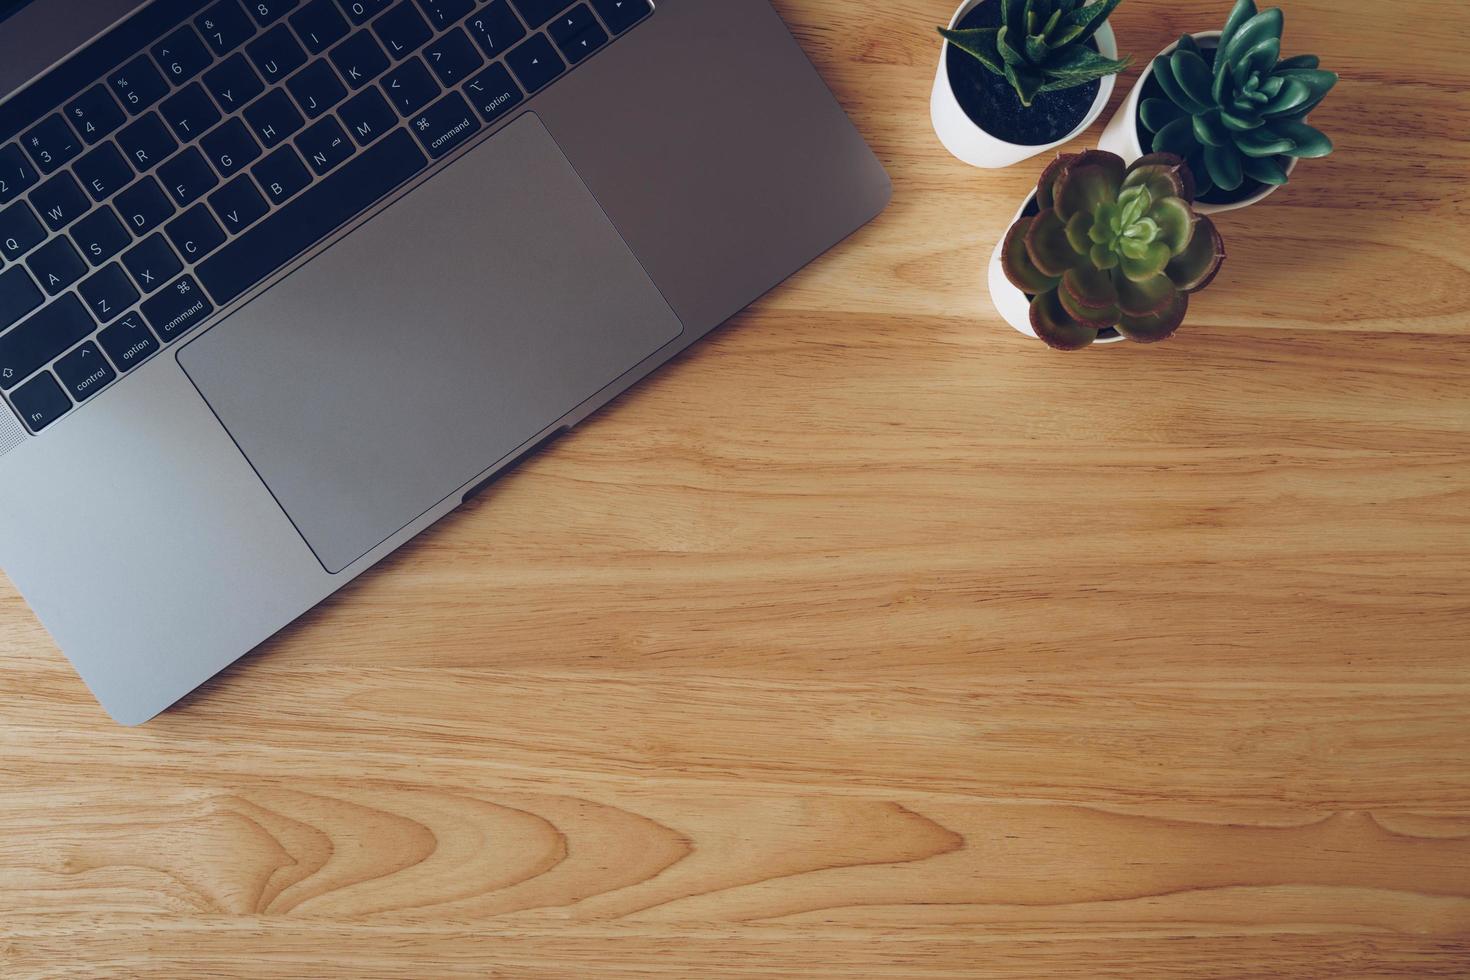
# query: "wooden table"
[926,653]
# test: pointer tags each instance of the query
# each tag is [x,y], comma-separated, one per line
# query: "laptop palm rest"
[430,344]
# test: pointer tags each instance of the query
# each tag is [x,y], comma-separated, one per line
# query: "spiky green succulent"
[1111,247]
[1041,45]
[1246,116]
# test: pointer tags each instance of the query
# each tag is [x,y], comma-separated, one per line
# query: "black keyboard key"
[177,310]
[16,173]
[225,27]
[181,55]
[56,265]
[402,30]
[233,83]
[281,175]
[128,342]
[316,88]
[51,143]
[577,49]
[320,25]
[445,125]
[238,205]
[100,235]
[570,23]
[230,147]
[367,116]
[152,263]
[60,201]
[84,372]
[622,14]
[40,339]
[273,118]
[143,206]
[138,84]
[189,112]
[147,142]
[195,233]
[267,12]
[535,63]
[324,145]
[493,92]
[410,87]
[538,12]
[41,402]
[276,54]
[338,198]
[442,13]
[453,58]
[103,172]
[359,59]
[496,28]
[362,11]
[108,293]
[94,114]
[18,296]
[20,230]
[187,177]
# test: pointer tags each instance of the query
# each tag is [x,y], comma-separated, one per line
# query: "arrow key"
[535,63]
[622,14]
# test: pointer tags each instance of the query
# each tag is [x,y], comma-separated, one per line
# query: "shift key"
[177,309]
[41,338]
[445,125]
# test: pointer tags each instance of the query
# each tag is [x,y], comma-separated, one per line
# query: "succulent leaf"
[1046,185]
[979,43]
[1082,187]
[1209,130]
[1264,142]
[1149,261]
[1196,267]
[1267,24]
[1265,169]
[1098,319]
[1017,264]
[1158,113]
[1090,288]
[1310,143]
[1161,180]
[1078,228]
[1164,72]
[1300,61]
[1224,166]
[1055,326]
[1157,327]
[1175,221]
[1047,244]
[1193,75]
[1144,298]
[1243,11]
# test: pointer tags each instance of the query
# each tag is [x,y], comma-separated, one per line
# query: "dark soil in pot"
[1153,90]
[993,105]
[1033,208]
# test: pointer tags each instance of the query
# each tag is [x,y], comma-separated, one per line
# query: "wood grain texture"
[923,652]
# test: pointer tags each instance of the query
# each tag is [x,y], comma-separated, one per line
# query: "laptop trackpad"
[431,343]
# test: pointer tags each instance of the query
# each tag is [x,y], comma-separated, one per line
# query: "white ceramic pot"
[1011,303]
[967,141]
[1121,134]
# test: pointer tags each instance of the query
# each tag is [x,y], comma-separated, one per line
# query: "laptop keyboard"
[198,147]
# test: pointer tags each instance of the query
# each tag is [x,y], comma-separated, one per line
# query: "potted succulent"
[1231,106]
[1018,77]
[1103,251]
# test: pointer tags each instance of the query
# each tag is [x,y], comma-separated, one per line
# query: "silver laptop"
[283,282]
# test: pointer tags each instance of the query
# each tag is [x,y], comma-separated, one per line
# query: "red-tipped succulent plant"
[1112,246]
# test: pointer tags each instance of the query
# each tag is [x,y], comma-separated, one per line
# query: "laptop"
[284,282]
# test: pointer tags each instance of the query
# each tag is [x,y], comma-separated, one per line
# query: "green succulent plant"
[1111,246]
[1041,45]
[1245,117]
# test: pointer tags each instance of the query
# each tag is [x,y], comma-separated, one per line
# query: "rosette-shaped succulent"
[1243,117]
[1111,246]
[1041,45]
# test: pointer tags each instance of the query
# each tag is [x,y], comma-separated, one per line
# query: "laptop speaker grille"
[12,433]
